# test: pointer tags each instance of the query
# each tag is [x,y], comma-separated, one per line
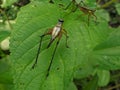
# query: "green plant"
[93,50]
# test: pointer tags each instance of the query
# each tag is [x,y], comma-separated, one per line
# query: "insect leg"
[81,2]
[73,1]
[50,43]
[74,9]
[54,54]
[38,51]
[95,17]
[39,48]
[89,18]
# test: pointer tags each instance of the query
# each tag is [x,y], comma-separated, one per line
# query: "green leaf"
[84,72]
[92,84]
[5,72]
[26,36]
[72,86]
[107,53]
[118,7]
[32,21]
[6,87]
[103,77]
[111,46]
[4,34]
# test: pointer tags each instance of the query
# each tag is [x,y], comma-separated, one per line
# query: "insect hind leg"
[38,52]
[39,48]
[59,37]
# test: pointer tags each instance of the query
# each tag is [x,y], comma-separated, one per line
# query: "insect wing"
[55,32]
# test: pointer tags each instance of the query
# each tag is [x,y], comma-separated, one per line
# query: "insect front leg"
[82,2]
[95,17]
[74,9]
[89,18]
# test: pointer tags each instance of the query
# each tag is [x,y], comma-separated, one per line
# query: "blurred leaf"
[118,7]
[6,86]
[91,85]
[71,86]
[111,46]
[4,34]
[107,53]
[7,3]
[103,77]
[84,72]
[5,72]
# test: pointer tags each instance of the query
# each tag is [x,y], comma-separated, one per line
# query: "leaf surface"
[32,21]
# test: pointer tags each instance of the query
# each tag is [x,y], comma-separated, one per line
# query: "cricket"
[55,33]
[84,9]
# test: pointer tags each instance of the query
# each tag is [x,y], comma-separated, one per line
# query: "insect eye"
[60,20]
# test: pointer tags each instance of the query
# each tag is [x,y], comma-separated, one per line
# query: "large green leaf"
[111,46]
[32,21]
[108,52]
[103,77]
[5,72]
[36,18]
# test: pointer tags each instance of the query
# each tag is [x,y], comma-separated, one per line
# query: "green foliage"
[7,3]
[104,77]
[108,47]
[5,72]
[92,85]
[3,35]
[118,7]
[93,50]
[71,86]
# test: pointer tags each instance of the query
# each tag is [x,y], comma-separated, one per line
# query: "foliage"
[93,50]
[7,3]
[4,34]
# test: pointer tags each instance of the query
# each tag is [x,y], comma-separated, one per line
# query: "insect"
[56,33]
[89,12]
[84,9]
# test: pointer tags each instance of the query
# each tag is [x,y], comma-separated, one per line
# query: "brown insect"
[55,33]
[84,9]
